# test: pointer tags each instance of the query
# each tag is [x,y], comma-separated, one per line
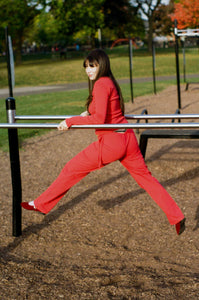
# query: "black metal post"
[131,67]
[15,169]
[177,64]
[184,60]
[8,64]
[153,57]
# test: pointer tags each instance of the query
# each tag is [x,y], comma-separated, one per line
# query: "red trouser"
[108,148]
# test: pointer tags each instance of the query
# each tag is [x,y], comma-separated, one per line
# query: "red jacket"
[104,108]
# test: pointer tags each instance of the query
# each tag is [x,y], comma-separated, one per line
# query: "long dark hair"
[99,57]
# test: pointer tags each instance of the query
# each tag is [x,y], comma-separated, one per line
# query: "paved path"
[29,90]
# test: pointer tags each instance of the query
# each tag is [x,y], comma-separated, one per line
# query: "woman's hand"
[84,114]
[62,126]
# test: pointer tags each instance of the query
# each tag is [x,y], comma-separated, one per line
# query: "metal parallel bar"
[136,117]
[187,32]
[102,126]
[166,116]
[43,117]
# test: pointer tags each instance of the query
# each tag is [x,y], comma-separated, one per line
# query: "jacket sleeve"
[101,94]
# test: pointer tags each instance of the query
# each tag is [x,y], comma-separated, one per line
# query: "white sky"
[163,2]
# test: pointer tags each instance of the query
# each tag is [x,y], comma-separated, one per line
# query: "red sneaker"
[26,205]
[180,226]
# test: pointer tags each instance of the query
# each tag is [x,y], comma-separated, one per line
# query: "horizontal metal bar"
[28,125]
[134,117]
[187,32]
[166,116]
[102,126]
[43,117]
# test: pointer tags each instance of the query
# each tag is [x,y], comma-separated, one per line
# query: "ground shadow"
[197,219]
[106,204]
[166,149]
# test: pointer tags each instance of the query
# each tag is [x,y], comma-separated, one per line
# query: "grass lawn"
[60,103]
[51,72]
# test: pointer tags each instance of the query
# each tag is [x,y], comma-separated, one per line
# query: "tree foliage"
[148,9]
[163,24]
[122,18]
[186,12]
[73,16]
[85,17]
[44,30]
[18,16]
[51,22]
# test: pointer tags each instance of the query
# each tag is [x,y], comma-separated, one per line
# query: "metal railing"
[12,118]
[102,126]
[187,32]
[132,117]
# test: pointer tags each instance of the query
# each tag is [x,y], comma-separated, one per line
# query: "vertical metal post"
[153,58]
[100,37]
[177,64]
[131,67]
[15,169]
[8,64]
[184,59]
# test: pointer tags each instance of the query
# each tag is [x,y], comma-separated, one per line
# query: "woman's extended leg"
[134,163]
[96,155]
[74,170]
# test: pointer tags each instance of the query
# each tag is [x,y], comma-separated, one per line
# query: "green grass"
[60,103]
[46,71]
[49,72]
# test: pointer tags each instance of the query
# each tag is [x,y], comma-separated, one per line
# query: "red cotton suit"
[110,146]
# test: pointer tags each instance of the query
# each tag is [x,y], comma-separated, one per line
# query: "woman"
[105,106]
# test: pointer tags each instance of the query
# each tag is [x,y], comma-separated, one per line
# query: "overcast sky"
[163,2]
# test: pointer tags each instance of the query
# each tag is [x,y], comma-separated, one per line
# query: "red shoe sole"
[25,205]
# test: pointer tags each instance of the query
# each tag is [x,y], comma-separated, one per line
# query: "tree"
[186,12]
[90,17]
[44,30]
[18,16]
[163,24]
[75,15]
[60,21]
[148,8]
[84,17]
[122,18]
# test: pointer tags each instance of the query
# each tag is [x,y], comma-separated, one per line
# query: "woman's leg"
[74,170]
[134,163]
[91,158]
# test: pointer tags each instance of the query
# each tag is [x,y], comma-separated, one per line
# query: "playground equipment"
[196,35]
[118,41]
[12,127]
[178,33]
[165,134]
[132,43]
[181,33]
